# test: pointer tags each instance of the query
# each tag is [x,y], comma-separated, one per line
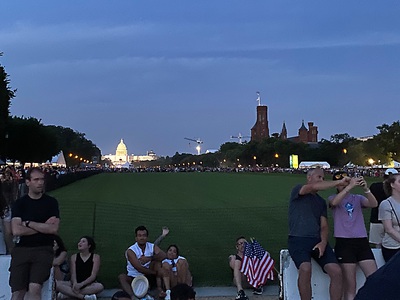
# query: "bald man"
[308,233]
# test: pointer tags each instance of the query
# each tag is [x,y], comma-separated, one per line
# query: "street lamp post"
[276,158]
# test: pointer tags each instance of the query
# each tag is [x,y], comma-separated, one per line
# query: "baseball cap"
[391,171]
[140,285]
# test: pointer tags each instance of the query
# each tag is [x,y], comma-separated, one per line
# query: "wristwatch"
[27,223]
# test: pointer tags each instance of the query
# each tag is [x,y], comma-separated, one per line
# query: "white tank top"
[148,251]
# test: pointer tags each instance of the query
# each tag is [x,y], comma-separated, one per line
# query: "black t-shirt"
[377,190]
[37,210]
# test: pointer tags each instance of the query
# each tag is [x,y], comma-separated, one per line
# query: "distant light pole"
[276,158]
[198,148]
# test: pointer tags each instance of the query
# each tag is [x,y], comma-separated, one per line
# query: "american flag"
[257,264]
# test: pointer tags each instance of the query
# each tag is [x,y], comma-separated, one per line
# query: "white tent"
[59,160]
[349,165]
[314,164]
[392,164]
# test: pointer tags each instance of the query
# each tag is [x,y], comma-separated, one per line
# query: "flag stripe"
[257,264]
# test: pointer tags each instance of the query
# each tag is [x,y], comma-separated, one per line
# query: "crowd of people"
[33,220]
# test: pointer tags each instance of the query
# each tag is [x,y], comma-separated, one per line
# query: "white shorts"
[376,233]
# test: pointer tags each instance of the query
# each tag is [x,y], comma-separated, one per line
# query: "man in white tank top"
[143,258]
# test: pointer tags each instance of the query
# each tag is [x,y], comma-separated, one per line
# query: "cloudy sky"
[154,72]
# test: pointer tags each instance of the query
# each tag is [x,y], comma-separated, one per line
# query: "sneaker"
[241,296]
[168,295]
[90,297]
[258,291]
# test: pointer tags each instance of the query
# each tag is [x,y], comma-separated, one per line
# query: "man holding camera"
[308,233]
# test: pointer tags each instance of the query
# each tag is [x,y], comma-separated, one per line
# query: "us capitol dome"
[123,159]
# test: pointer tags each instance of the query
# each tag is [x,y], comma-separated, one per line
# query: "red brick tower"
[303,133]
[312,133]
[260,129]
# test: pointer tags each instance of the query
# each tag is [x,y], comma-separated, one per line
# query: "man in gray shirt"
[308,233]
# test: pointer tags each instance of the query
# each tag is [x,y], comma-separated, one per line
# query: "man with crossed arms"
[35,221]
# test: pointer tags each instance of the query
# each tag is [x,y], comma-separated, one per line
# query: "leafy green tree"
[266,151]
[232,153]
[6,94]
[373,149]
[75,143]
[30,141]
[180,158]
[341,138]
[388,139]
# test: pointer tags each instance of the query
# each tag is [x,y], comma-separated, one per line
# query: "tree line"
[339,150]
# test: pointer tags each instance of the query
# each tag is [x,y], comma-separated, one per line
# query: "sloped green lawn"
[204,211]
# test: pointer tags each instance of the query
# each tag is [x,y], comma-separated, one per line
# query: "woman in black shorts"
[352,246]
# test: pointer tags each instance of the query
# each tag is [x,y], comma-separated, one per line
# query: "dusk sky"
[155,72]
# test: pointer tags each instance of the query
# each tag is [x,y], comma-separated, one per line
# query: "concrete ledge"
[209,292]
[269,290]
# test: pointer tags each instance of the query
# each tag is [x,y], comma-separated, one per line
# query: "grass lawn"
[204,211]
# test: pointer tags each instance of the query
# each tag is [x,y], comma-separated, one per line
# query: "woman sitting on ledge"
[84,268]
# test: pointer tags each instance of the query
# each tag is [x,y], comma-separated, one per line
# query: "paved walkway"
[271,292]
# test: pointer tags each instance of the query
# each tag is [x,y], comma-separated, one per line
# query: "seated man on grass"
[143,258]
[239,279]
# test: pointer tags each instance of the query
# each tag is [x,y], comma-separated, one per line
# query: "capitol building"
[122,159]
